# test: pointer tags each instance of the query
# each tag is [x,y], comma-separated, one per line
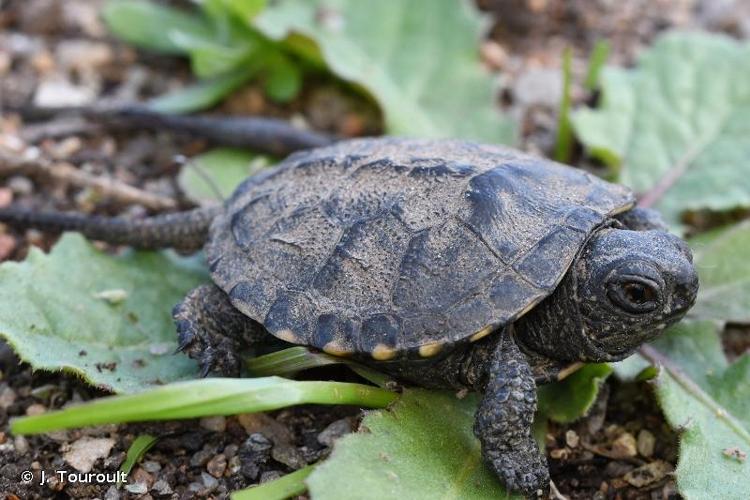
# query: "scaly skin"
[504,418]
[214,333]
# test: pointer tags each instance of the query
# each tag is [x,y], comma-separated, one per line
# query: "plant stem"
[596,63]
[683,379]
[564,143]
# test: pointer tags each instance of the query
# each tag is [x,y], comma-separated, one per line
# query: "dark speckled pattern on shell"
[387,245]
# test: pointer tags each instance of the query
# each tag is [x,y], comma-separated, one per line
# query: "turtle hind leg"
[211,331]
[504,419]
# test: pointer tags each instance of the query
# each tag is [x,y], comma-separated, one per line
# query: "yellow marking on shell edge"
[429,350]
[382,352]
[335,349]
[528,308]
[287,336]
[623,209]
[481,333]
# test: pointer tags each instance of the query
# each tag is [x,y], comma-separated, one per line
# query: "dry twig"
[31,162]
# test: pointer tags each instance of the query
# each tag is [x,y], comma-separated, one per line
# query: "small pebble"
[217,465]
[648,474]
[215,424]
[112,493]
[7,246]
[35,409]
[137,488]
[646,442]
[334,431]
[84,453]
[234,465]
[571,438]
[162,488]
[209,481]
[735,453]
[270,476]
[288,455]
[151,466]
[7,397]
[253,454]
[6,196]
[21,445]
[20,185]
[624,446]
[230,450]
[201,458]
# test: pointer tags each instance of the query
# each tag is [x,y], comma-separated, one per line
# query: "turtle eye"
[636,296]
[638,293]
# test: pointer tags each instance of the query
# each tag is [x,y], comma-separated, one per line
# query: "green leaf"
[203,94]
[210,59]
[279,489]
[709,400]
[568,400]
[58,312]
[423,447]
[214,175]
[419,62]
[246,9]
[137,450]
[284,79]
[152,26]
[206,397]
[721,258]
[677,125]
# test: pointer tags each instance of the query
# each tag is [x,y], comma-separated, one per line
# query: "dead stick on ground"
[33,163]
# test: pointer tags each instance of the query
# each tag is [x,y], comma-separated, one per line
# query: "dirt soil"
[54,52]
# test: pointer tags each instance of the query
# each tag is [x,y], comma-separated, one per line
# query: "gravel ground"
[51,54]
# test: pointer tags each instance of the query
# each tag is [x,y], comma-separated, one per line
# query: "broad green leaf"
[423,447]
[568,400]
[151,26]
[205,397]
[104,318]
[279,489]
[419,61]
[214,175]
[203,94]
[709,401]
[721,258]
[676,126]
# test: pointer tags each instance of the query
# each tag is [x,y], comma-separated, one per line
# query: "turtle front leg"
[504,418]
[211,331]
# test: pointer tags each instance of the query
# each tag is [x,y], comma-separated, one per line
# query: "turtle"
[445,263]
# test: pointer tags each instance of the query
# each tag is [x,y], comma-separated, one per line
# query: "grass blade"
[564,143]
[201,398]
[203,94]
[279,489]
[140,446]
[596,62]
[289,361]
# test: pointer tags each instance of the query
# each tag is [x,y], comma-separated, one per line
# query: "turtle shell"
[397,247]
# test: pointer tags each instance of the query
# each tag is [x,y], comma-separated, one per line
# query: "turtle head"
[624,289]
